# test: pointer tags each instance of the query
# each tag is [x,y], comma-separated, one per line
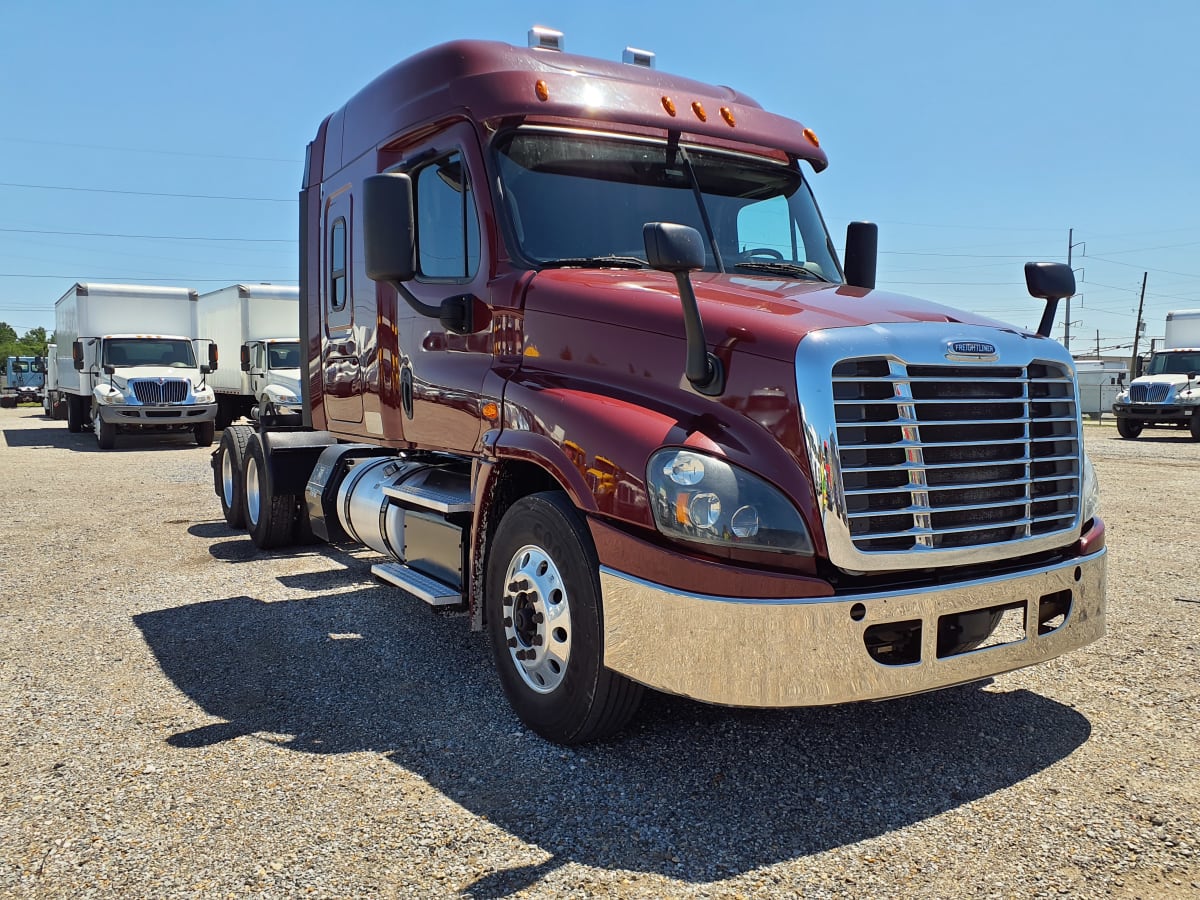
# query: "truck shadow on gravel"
[690,791]
[55,435]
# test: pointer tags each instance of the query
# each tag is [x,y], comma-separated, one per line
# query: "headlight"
[1122,397]
[279,394]
[1089,491]
[106,393]
[204,395]
[696,497]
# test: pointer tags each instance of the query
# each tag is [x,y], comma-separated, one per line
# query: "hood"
[123,374]
[286,378]
[765,316]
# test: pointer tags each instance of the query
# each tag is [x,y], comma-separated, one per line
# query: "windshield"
[582,199]
[1170,363]
[283,355]
[123,352]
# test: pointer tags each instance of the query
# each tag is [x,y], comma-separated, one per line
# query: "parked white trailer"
[1100,381]
[53,401]
[133,364]
[262,320]
[1168,391]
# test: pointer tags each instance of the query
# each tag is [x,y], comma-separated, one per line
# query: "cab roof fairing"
[492,81]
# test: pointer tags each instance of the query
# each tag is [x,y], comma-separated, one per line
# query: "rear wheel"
[544,619]
[75,414]
[1195,425]
[231,461]
[269,517]
[1129,428]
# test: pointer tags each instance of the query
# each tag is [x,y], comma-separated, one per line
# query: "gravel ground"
[183,716]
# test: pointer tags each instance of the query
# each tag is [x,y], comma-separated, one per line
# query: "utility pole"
[1097,343]
[1137,331]
[1070,246]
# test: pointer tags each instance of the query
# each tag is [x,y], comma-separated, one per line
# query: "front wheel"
[106,432]
[204,433]
[1129,429]
[544,618]
[1195,425]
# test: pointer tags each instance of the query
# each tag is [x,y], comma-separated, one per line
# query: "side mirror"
[389,232]
[212,357]
[862,254]
[1049,281]
[110,370]
[679,250]
[77,354]
[39,365]
[245,357]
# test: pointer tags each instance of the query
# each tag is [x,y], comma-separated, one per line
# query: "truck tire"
[205,432]
[1129,429]
[106,432]
[74,414]
[542,604]
[1195,425]
[270,517]
[228,471]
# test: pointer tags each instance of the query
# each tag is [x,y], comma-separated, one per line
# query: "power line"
[148,150]
[157,278]
[152,237]
[58,187]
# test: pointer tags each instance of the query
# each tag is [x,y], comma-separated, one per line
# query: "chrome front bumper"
[158,415]
[780,653]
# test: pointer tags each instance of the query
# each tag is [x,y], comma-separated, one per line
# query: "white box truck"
[262,320]
[133,364]
[1168,392]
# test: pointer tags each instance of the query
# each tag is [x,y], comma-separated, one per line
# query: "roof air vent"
[545,38]
[636,57]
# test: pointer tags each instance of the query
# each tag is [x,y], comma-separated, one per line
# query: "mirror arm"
[703,369]
[1047,323]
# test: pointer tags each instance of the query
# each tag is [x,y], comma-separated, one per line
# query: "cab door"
[442,373]
[341,354]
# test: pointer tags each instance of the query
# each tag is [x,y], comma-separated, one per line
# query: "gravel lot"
[183,716]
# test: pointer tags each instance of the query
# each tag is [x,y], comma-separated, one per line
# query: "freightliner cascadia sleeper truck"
[580,360]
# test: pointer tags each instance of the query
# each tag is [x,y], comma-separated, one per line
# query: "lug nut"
[508,601]
[512,642]
[537,640]
[508,621]
[539,618]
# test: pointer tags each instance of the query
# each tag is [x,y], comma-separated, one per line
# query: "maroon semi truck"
[582,362]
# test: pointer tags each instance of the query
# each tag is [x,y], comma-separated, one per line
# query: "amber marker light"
[669,105]
[727,115]
[811,137]
[491,411]
[542,90]
[699,111]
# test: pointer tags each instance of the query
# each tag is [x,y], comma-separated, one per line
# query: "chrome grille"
[1149,393]
[951,457]
[153,391]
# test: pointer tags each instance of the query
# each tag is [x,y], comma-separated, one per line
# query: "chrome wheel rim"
[537,619]
[227,482]
[253,501]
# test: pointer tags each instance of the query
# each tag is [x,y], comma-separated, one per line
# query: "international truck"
[581,362]
[1167,393]
[261,321]
[24,380]
[133,365]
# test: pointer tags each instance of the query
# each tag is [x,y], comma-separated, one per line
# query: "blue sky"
[975,134]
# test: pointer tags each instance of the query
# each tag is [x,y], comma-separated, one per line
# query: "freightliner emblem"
[972,348]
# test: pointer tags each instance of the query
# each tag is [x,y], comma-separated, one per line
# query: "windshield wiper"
[596,262]
[782,268]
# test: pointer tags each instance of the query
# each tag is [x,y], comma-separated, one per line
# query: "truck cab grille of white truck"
[1149,393]
[945,457]
[153,391]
